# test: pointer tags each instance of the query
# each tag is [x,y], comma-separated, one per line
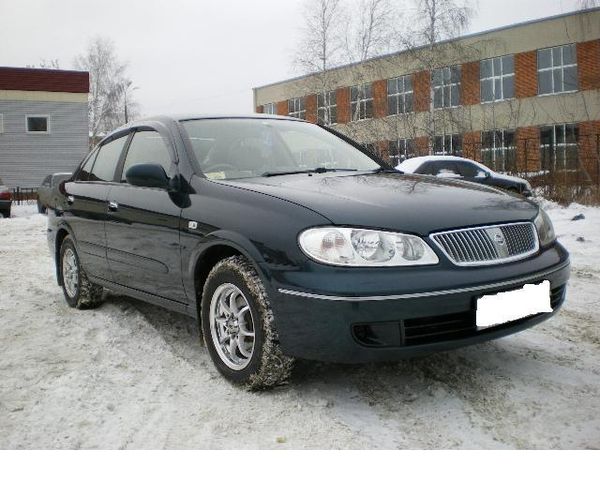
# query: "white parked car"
[448,166]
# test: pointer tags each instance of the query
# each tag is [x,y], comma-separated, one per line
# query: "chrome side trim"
[406,296]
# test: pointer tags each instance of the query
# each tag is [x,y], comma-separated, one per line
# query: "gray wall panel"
[25,158]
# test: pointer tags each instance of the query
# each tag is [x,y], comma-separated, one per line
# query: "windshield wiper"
[387,170]
[308,170]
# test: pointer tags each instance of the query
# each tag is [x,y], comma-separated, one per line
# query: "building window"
[37,124]
[557,70]
[361,101]
[446,87]
[498,150]
[400,95]
[497,77]
[447,145]
[559,148]
[327,108]
[270,109]
[400,150]
[296,108]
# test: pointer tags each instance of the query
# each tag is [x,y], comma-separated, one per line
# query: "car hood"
[409,203]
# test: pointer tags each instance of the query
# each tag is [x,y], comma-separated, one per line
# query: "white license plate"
[508,306]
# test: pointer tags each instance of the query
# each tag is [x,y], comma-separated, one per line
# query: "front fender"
[195,248]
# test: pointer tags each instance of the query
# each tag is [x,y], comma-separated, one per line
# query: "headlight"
[355,247]
[544,228]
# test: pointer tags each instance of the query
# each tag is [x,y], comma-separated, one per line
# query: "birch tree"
[109,86]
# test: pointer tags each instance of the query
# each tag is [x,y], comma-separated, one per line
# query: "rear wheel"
[238,326]
[78,290]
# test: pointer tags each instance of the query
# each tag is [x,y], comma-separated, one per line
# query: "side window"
[46,182]
[107,160]
[147,147]
[447,170]
[468,170]
[426,168]
[83,175]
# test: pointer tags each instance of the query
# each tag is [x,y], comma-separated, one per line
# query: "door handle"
[113,206]
[70,199]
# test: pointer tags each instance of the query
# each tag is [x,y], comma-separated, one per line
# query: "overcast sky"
[192,56]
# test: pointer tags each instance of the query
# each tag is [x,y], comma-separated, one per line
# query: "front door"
[142,228]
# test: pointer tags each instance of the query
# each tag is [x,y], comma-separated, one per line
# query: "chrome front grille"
[488,245]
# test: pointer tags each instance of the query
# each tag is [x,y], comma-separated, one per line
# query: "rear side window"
[425,169]
[147,147]
[107,160]
[46,182]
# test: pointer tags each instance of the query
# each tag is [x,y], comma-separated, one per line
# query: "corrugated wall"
[25,159]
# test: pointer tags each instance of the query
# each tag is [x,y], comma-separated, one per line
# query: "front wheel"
[238,326]
[78,290]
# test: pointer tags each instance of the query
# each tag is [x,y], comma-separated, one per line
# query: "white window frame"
[452,151]
[402,94]
[359,107]
[327,108]
[446,87]
[29,132]
[499,149]
[402,144]
[560,163]
[497,76]
[298,109]
[560,67]
[270,108]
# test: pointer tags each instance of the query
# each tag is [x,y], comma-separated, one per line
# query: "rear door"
[86,207]
[142,228]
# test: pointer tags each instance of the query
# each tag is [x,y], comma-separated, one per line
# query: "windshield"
[242,148]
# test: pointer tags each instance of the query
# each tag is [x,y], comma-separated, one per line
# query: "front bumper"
[367,326]
[5,205]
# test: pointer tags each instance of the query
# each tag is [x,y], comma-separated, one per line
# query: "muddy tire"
[78,290]
[239,329]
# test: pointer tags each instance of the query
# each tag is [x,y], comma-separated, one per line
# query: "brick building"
[525,97]
[43,123]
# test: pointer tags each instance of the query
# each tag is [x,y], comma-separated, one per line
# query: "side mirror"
[147,175]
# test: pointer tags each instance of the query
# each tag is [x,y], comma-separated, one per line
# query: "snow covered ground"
[129,375]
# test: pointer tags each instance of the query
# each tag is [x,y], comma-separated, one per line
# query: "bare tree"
[321,42]
[109,85]
[51,64]
[321,47]
[430,23]
[372,29]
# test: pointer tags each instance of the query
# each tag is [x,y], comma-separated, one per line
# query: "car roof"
[411,164]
